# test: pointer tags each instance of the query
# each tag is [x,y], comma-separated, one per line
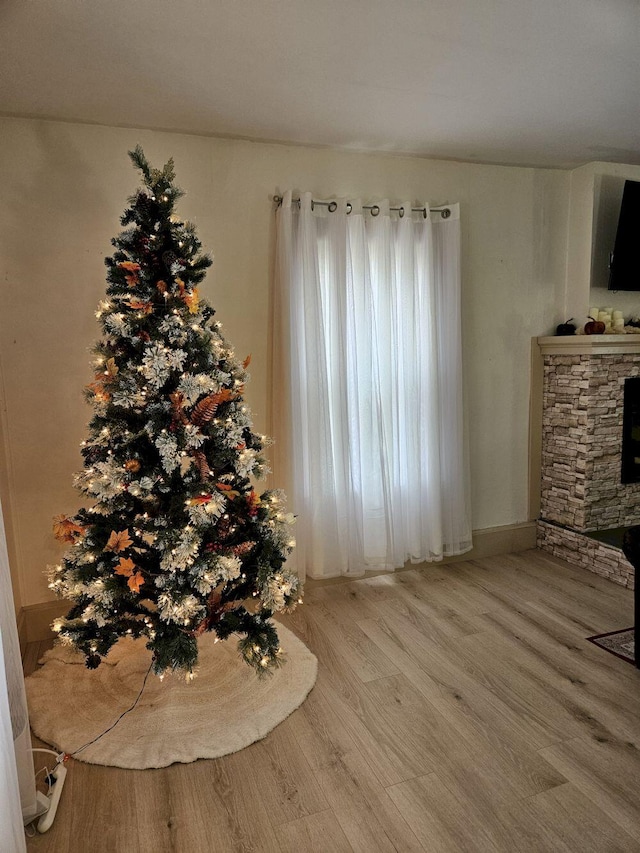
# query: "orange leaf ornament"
[118,541]
[227,490]
[65,529]
[98,390]
[191,298]
[199,500]
[112,368]
[135,582]
[125,567]
[192,301]
[132,269]
[142,306]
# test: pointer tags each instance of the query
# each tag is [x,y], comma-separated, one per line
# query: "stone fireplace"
[585,505]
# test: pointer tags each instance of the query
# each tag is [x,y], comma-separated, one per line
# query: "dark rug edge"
[597,637]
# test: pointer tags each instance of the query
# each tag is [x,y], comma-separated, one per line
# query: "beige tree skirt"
[225,708]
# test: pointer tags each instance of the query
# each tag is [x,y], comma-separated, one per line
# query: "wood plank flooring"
[458,708]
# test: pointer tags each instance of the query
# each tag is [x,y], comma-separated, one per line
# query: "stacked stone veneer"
[582,442]
[579,550]
[581,460]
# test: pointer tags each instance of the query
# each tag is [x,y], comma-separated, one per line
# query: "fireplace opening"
[630,470]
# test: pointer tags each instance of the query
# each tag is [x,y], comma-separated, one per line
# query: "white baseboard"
[34,621]
[507,539]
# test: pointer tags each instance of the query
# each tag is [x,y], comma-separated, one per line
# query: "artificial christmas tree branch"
[175,541]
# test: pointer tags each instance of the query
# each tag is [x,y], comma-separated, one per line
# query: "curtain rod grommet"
[333,206]
[375,210]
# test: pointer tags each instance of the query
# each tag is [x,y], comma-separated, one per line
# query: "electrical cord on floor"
[63,757]
[67,755]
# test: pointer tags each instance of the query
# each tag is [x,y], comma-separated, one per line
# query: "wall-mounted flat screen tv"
[624,268]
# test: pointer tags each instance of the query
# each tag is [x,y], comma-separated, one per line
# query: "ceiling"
[530,82]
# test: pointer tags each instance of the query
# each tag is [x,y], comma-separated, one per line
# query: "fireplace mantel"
[589,344]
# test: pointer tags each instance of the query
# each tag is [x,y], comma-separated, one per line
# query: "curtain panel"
[367,411]
[17,781]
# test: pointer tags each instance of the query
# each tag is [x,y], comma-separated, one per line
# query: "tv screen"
[624,268]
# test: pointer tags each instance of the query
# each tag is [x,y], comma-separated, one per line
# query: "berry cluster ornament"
[175,540]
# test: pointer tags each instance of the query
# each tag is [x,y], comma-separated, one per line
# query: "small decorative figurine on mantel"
[594,327]
[566,328]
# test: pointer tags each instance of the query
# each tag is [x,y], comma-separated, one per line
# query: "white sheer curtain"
[17,784]
[368,385]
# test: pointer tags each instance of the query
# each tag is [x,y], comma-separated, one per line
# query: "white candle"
[617,315]
[593,313]
[602,317]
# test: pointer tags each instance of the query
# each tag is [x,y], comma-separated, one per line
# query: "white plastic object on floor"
[40,806]
[47,819]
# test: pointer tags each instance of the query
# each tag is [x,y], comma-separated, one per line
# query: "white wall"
[62,189]
[6,502]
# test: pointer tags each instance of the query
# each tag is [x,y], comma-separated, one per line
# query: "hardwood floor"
[457,708]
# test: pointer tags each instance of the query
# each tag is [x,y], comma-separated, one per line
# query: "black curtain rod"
[444,212]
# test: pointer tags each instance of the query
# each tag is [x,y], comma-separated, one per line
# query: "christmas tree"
[176,540]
